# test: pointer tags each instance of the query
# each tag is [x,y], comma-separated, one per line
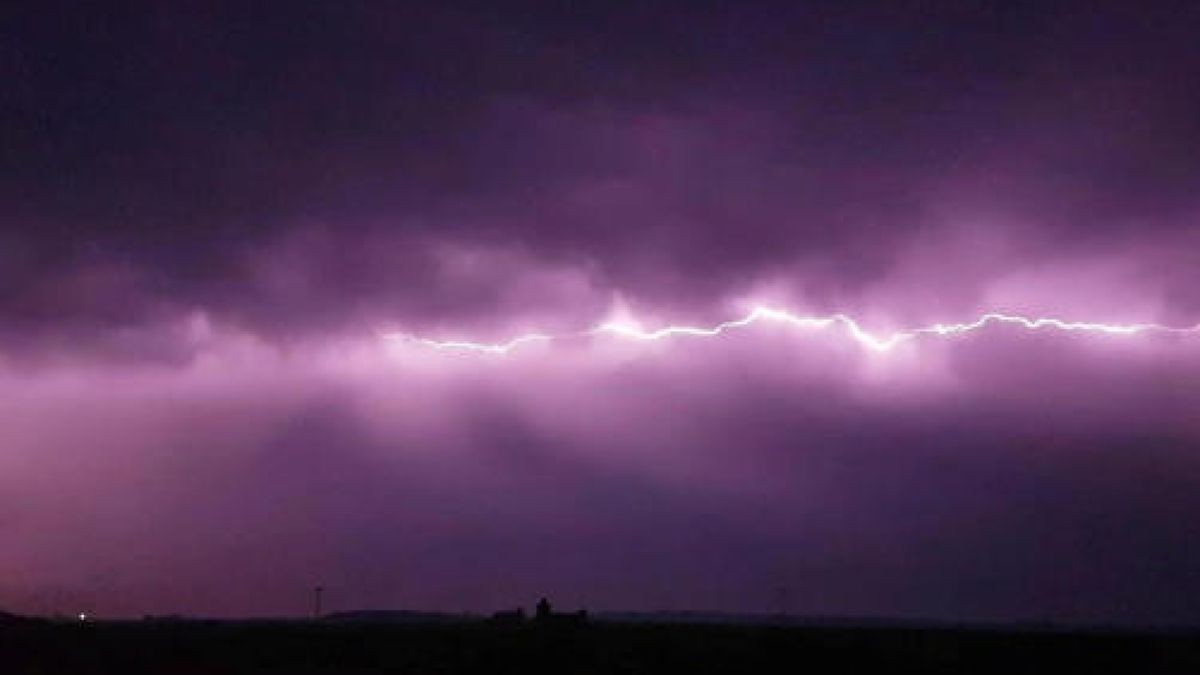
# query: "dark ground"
[298,648]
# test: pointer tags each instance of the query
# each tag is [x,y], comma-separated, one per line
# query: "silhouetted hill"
[682,617]
[398,616]
[475,646]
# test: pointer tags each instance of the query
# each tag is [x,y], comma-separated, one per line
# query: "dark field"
[297,648]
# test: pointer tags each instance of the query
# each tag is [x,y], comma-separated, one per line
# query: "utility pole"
[317,601]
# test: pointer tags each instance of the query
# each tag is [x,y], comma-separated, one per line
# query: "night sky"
[229,236]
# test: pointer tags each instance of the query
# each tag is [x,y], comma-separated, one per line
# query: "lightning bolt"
[876,342]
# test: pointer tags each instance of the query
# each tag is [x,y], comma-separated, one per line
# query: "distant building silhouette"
[545,616]
[509,616]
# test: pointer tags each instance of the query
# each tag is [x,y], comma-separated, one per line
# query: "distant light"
[82,616]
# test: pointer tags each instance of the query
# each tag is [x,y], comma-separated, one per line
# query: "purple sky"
[209,215]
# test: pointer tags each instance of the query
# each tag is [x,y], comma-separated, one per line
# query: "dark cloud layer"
[182,143]
[208,212]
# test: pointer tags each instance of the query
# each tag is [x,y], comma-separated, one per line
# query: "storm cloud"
[209,215]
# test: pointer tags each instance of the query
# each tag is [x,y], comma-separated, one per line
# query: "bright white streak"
[851,328]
